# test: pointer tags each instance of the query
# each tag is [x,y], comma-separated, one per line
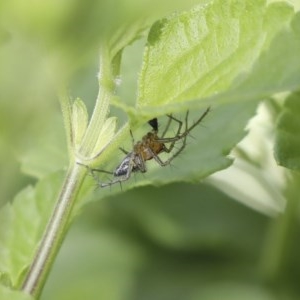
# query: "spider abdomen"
[122,168]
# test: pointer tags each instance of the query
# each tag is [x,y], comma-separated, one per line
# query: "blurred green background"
[180,241]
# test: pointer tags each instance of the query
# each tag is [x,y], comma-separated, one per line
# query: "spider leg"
[168,125]
[117,179]
[92,171]
[178,137]
[123,150]
[96,178]
[170,148]
[172,140]
[159,161]
[187,130]
[183,141]
[132,138]
[175,154]
[168,161]
[171,118]
[141,164]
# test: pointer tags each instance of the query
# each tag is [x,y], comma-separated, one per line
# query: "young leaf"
[107,131]
[79,121]
[287,143]
[21,226]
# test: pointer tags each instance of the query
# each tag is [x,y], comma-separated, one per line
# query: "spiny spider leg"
[170,148]
[186,132]
[123,150]
[167,126]
[93,170]
[96,178]
[182,136]
[168,161]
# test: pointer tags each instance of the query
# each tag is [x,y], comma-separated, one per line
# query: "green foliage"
[229,55]
[45,156]
[22,225]
[200,52]
[262,82]
[95,264]
[172,247]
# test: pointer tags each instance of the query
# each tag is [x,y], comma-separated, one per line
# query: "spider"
[149,148]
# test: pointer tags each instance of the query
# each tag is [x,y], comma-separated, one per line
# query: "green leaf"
[21,226]
[276,70]
[136,17]
[170,218]
[7,294]
[201,52]
[287,143]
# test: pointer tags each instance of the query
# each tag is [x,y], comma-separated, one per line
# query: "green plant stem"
[54,233]
[61,216]
[101,108]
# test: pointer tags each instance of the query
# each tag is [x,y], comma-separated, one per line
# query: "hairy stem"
[61,216]
[101,108]
[54,233]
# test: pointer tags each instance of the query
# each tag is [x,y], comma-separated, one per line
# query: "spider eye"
[154,124]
